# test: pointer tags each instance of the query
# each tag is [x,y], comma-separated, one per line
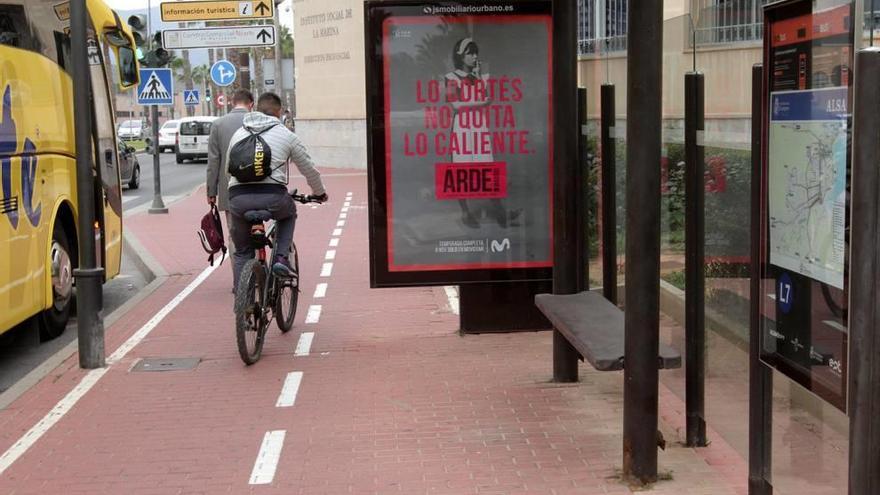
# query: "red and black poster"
[461,142]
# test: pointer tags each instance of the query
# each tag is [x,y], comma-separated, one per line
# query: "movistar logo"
[28,163]
[498,247]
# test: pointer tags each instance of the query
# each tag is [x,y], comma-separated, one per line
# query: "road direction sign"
[191,97]
[217,10]
[156,87]
[223,73]
[221,37]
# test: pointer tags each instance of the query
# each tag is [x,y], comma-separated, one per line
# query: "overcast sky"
[128,5]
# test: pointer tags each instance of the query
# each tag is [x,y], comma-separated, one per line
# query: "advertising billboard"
[808,60]
[460,142]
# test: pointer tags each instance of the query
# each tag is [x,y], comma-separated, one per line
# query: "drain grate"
[166,364]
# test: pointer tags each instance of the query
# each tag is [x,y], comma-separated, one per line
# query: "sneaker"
[282,268]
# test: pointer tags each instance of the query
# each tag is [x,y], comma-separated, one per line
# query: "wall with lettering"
[329,39]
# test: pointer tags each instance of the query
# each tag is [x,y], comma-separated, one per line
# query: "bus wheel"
[54,319]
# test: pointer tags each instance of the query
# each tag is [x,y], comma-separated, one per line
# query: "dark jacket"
[221,133]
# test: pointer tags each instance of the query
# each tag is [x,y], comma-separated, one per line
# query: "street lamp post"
[90,321]
[158,206]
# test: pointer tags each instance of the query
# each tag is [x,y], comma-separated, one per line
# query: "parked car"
[192,138]
[131,130]
[129,168]
[168,136]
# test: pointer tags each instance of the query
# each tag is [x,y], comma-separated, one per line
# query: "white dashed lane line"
[304,346]
[320,290]
[314,314]
[327,269]
[273,442]
[268,457]
[290,389]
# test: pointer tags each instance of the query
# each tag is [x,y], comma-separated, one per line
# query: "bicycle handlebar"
[302,198]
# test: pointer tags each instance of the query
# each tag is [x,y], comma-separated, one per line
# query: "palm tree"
[286,38]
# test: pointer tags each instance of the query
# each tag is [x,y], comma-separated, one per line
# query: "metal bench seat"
[594,327]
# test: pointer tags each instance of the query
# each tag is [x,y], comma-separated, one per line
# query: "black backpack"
[250,160]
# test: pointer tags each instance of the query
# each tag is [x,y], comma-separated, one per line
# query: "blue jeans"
[283,211]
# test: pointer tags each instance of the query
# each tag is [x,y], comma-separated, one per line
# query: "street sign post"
[221,37]
[217,10]
[156,87]
[191,97]
[223,73]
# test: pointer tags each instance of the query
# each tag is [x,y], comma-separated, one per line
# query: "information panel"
[808,60]
[461,142]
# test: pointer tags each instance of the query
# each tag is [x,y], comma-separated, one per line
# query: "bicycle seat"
[255,217]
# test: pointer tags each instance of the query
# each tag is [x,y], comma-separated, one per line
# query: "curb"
[152,272]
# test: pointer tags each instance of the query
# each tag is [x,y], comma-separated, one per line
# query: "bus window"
[13,30]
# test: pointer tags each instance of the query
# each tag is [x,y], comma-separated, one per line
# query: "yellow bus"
[38,198]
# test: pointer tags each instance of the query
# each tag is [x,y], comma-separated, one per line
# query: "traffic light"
[157,56]
[138,24]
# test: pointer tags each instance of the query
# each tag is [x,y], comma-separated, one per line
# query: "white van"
[192,138]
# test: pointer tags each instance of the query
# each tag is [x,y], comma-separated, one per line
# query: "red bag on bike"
[211,235]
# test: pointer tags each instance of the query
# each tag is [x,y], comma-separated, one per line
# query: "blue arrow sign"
[156,87]
[191,97]
[223,73]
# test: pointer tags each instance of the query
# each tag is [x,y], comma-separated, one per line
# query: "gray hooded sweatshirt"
[284,145]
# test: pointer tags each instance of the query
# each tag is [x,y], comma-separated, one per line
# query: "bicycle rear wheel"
[287,296]
[250,323]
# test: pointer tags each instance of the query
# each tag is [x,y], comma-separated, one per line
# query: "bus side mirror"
[150,149]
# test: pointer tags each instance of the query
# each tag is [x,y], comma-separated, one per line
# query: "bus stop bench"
[594,327]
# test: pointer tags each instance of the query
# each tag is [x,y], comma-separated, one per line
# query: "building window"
[601,26]
[728,21]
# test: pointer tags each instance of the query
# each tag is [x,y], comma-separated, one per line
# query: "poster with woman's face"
[468,139]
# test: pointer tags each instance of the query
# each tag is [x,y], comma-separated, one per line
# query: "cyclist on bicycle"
[271,193]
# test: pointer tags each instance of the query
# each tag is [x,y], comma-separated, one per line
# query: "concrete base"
[335,143]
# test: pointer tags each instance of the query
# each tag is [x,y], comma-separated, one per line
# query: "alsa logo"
[498,247]
[27,162]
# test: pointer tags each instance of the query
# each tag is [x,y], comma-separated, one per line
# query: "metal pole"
[642,316]
[695,280]
[244,61]
[565,176]
[89,318]
[873,21]
[158,205]
[582,245]
[609,196]
[864,364]
[279,74]
[760,377]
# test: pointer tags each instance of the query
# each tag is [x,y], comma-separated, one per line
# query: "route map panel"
[803,300]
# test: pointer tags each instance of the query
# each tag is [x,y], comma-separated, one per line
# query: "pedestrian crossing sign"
[191,97]
[156,87]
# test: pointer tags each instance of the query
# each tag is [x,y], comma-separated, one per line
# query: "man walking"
[218,143]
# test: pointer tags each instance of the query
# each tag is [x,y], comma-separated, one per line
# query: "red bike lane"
[373,391]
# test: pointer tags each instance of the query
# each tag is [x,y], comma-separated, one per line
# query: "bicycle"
[260,294]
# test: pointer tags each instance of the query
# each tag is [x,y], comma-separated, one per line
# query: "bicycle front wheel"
[287,296]
[250,322]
